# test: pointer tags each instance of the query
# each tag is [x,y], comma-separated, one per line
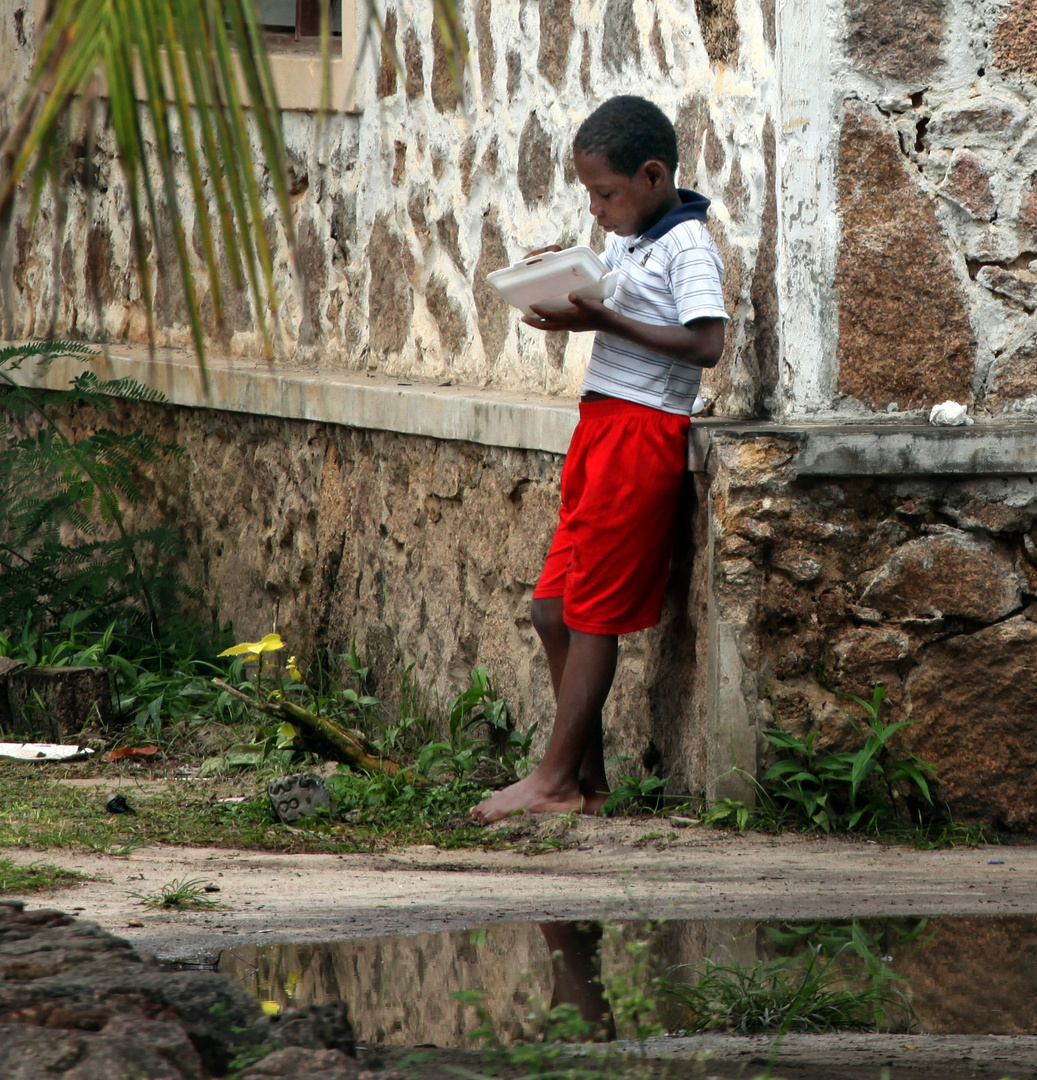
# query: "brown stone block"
[996,517]
[1018,285]
[484,37]
[690,124]
[968,183]
[445,86]
[621,39]
[494,316]
[388,76]
[536,162]
[975,697]
[556,34]
[390,303]
[904,332]
[448,237]
[1014,375]
[659,46]
[764,289]
[450,318]
[1028,205]
[413,64]
[984,122]
[867,648]
[718,21]
[950,575]
[894,39]
[1015,40]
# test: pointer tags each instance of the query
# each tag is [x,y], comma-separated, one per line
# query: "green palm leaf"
[207,94]
[206,87]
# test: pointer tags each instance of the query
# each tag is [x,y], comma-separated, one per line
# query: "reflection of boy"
[606,570]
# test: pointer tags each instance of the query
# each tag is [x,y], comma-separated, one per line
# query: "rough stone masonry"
[872,166]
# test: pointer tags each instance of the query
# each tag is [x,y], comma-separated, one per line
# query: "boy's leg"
[548,620]
[557,783]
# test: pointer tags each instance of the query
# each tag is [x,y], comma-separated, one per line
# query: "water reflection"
[576,966]
[960,975]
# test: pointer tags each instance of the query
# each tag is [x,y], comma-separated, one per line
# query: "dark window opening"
[300,18]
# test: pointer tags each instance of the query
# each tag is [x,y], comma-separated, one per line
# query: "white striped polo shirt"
[671,274]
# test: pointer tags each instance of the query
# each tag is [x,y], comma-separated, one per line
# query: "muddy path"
[613,868]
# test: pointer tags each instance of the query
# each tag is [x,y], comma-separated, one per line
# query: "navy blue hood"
[693,208]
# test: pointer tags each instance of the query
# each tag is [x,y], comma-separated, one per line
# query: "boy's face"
[624,205]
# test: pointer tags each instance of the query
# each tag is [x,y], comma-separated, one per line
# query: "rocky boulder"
[973,696]
[951,575]
[80,1004]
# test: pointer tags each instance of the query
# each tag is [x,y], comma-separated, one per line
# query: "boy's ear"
[656,172]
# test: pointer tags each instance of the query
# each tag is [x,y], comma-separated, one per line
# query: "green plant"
[631,989]
[641,792]
[849,789]
[57,574]
[808,993]
[179,895]
[36,877]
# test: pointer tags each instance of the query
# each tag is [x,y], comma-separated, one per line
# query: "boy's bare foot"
[535,797]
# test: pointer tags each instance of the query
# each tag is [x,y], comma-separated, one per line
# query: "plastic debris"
[44,752]
[117,804]
[950,414]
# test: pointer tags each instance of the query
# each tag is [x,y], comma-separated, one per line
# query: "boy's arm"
[699,342]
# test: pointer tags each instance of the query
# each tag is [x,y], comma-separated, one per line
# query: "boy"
[606,570]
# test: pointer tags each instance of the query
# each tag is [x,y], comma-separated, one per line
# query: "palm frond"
[205,81]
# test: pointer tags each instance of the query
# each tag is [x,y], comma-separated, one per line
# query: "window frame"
[295,67]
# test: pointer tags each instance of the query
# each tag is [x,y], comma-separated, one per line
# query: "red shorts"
[610,555]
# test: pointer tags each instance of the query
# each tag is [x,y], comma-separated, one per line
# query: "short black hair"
[628,131]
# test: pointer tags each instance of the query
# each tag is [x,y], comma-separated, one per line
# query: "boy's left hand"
[583,315]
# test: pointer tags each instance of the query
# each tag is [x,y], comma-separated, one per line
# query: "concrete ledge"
[375,402]
[527,422]
[989,447]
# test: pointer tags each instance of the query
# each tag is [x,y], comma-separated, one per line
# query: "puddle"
[962,975]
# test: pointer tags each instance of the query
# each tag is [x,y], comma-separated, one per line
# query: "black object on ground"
[117,804]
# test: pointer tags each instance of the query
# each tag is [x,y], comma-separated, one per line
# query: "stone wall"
[935,157]
[925,584]
[421,552]
[402,209]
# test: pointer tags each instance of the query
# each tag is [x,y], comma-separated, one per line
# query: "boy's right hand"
[541,251]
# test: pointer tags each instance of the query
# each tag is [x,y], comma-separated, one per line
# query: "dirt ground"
[622,869]
[619,869]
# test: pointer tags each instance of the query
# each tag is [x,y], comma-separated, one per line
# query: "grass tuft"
[37,877]
[185,895]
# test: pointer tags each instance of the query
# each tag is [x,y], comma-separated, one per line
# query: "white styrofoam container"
[547,279]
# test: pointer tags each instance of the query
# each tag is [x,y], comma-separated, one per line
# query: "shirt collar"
[692,208]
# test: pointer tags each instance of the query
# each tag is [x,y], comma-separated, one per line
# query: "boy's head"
[625,155]
[628,131]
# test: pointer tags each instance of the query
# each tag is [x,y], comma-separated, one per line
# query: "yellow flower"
[252,650]
[293,670]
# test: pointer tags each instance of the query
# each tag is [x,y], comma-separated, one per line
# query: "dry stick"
[346,743]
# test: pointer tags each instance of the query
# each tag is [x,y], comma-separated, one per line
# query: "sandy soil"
[617,868]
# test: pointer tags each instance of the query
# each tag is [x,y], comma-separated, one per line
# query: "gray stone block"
[298,796]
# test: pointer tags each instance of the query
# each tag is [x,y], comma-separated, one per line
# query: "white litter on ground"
[29,751]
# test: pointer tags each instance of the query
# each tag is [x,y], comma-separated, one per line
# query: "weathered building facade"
[391,475]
